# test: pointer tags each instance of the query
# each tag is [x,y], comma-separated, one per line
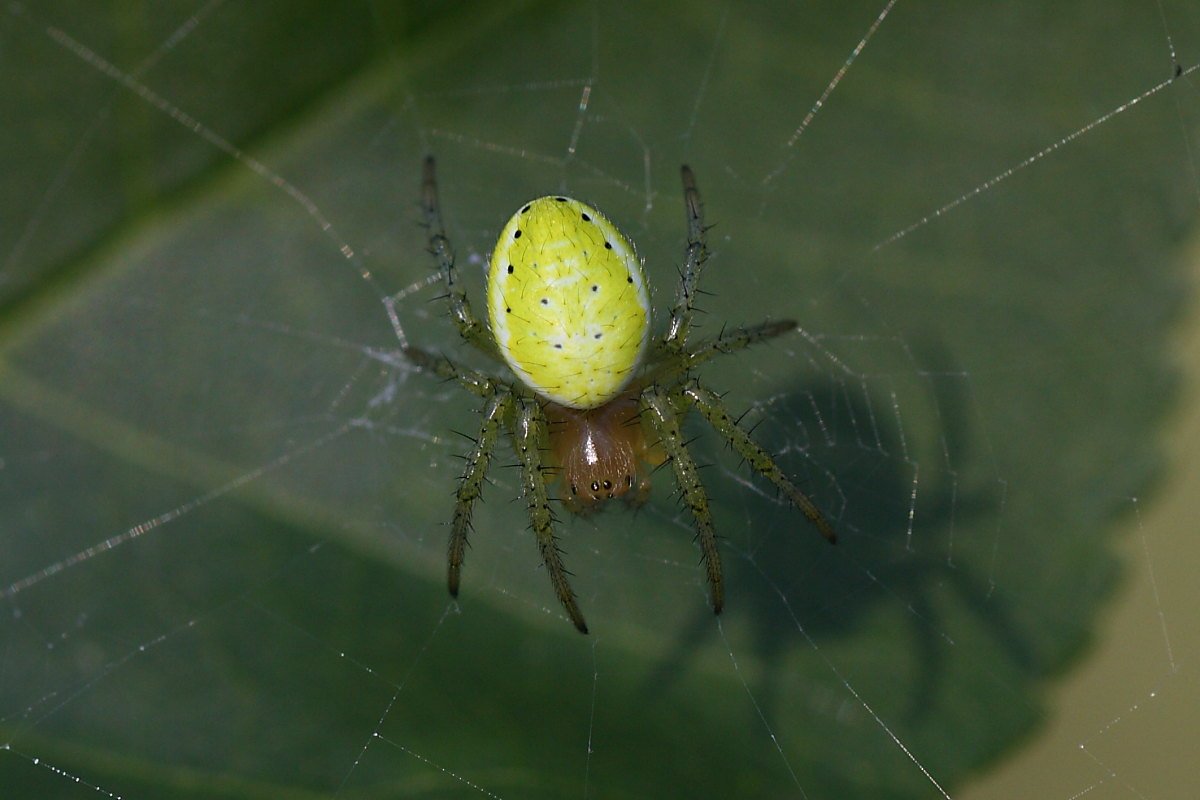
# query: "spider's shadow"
[790,577]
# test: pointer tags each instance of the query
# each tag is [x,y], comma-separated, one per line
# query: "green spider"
[595,401]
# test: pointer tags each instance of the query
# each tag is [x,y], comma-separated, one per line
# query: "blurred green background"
[206,204]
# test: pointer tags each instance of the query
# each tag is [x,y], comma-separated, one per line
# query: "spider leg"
[470,328]
[713,409]
[529,432]
[470,486]
[472,380]
[498,404]
[728,342]
[694,257]
[666,424]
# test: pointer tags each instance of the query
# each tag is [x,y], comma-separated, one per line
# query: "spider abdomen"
[567,302]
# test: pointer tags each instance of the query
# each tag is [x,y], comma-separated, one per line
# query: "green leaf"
[223,493]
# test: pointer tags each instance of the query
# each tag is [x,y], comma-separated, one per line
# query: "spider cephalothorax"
[595,399]
[601,452]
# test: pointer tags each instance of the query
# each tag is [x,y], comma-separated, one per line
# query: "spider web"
[223,496]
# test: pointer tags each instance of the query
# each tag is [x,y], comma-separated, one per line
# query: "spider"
[596,401]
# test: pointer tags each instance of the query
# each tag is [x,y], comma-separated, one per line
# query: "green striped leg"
[665,422]
[529,433]
[713,409]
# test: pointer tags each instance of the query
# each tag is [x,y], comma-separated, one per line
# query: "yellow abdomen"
[567,302]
